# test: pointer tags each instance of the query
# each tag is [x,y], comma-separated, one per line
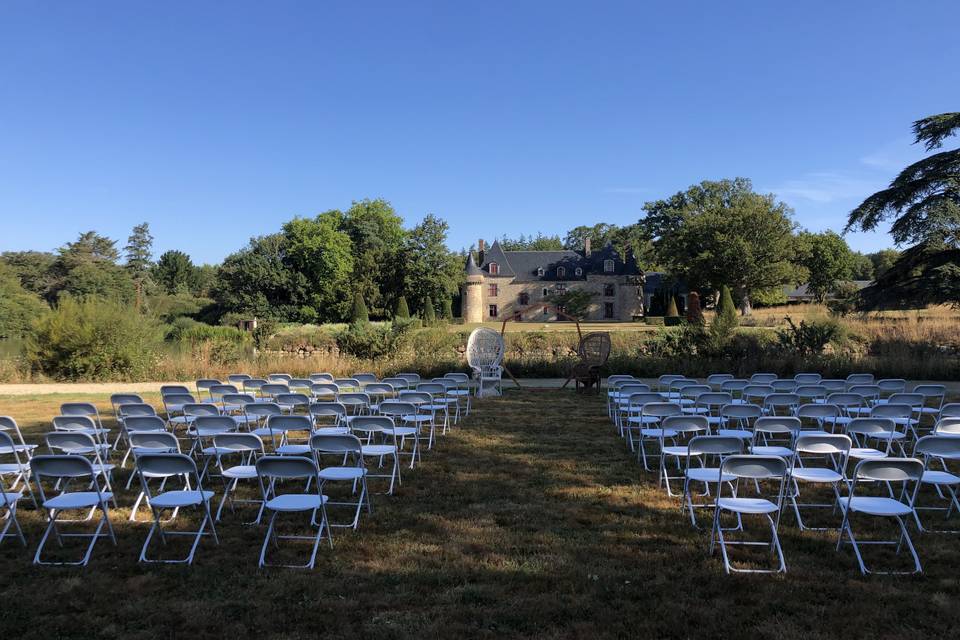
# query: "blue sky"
[218,121]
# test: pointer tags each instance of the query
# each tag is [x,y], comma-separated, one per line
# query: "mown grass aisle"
[529,519]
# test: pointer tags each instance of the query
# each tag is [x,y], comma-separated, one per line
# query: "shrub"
[199,332]
[429,315]
[726,308]
[403,311]
[672,308]
[446,309]
[359,313]
[178,326]
[809,338]
[94,340]
[366,340]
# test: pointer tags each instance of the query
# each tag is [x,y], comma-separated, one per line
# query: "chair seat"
[708,474]
[417,418]
[747,505]
[770,450]
[76,500]
[405,431]
[866,453]
[816,474]
[877,506]
[940,477]
[13,467]
[643,419]
[887,435]
[241,471]
[173,499]
[9,497]
[378,449]
[331,431]
[293,450]
[296,502]
[658,433]
[675,451]
[342,473]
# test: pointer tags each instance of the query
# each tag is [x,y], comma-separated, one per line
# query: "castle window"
[608,290]
[546,292]
[608,310]
[540,272]
[579,271]
[561,288]
[546,310]
[493,311]
[523,299]
[493,290]
[608,266]
[561,272]
[494,269]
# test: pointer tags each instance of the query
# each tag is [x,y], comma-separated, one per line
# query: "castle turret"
[472,307]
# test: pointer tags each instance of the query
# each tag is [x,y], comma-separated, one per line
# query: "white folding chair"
[63,470]
[379,441]
[9,497]
[656,431]
[248,447]
[174,466]
[886,472]
[329,417]
[144,442]
[831,451]
[404,426]
[347,448]
[698,450]
[270,470]
[684,428]
[756,469]
[939,450]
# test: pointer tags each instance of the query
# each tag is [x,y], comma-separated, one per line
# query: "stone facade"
[515,285]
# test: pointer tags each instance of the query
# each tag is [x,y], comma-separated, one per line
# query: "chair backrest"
[324,390]
[204,426]
[238,442]
[846,400]
[686,423]
[72,442]
[398,383]
[859,378]
[262,409]
[159,440]
[238,378]
[411,378]
[950,410]
[274,389]
[74,423]
[416,397]
[433,388]
[818,411]
[811,392]
[254,385]
[61,466]
[889,470]
[947,426]
[807,378]
[354,399]
[174,390]
[763,378]
[714,399]
[347,383]
[165,465]
[891,411]
[784,386]
[283,423]
[694,391]
[484,348]
[321,377]
[79,409]
[343,443]
[870,426]
[365,378]
[869,391]
[892,385]
[397,408]
[287,467]
[197,409]
[833,385]
[931,391]
[459,376]
[328,409]
[661,409]
[371,424]
[594,349]
[824,444]
[636,401]
[735,386]
[205,384]
[144,423]
[630,386]
[237,399]
[782,400]
[279,377]
[714,445]
[127,411]
[617,377]
[176,401]
[945,447]
[117,400]
[299,383]
[380,389]
[292,399]
[217,391]
[913,399]
[777,424]
[757,391]
[754,467]
[716,379]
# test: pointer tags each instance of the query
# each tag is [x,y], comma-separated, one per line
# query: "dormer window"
[579,271]
[494,269]
[540,272]
[608,266]
[561,272]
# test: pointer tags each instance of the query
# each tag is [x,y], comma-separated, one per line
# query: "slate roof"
[523,265]
[803,290]
[471,268]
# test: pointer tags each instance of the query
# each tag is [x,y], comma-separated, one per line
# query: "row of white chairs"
[254,441]
[746,446]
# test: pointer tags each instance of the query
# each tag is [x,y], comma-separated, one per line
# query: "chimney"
[481,247]
[586,247]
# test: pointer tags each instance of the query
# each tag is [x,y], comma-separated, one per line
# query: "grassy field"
[529,520]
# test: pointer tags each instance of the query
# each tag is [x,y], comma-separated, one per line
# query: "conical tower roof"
[471,268]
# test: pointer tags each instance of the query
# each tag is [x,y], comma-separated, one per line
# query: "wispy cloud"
[893,156]
[826,187]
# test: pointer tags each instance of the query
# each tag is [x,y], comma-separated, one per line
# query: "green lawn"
[529,520]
